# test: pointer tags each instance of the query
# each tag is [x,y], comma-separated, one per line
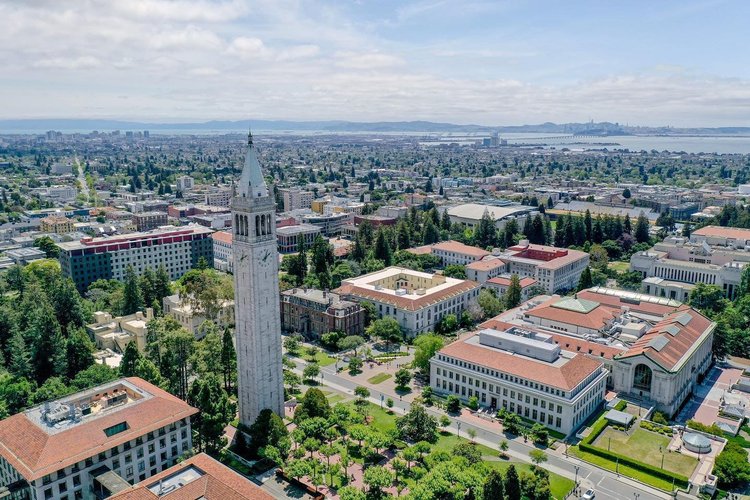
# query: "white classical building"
[452,252]
[522,371]
[714,256]
[94,443]
[417,300]
[222,242]
[553,268]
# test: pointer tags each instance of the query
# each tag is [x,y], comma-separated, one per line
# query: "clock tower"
[256,293]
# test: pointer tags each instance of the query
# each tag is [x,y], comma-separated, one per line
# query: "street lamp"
[576,482]
[458,425]
[661,450]
[381,400]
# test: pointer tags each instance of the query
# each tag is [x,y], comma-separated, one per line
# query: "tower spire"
[252,183]
[250,137]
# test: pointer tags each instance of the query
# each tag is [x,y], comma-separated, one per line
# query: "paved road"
[82,178]
[606,484]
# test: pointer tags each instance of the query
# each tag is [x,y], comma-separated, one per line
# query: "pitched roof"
[669,340]
[723,232]
[458,247]
[35,451]
[222,236]
[563,376]
[504,281]
[217,482]
[485,264]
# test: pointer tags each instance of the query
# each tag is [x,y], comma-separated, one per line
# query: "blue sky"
[681,63]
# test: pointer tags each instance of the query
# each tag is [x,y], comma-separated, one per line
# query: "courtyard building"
[417,300]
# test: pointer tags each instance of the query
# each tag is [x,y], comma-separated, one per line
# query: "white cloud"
[83,62]
[247,48]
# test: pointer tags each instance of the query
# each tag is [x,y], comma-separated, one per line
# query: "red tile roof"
[566,376]
[669,340]
[458,247]
[222,236]
[594,319]
[218,482]
[408,302]
[503,281]
[723,232]
[34,453]
[485,264]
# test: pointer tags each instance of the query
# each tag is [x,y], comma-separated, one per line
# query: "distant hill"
[333,126]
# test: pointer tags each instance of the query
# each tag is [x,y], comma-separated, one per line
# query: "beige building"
[116,333]
[56,224]
[182,311]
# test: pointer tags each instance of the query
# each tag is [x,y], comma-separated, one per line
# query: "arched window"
[257,225]
[236,224]
[268,224]
[263,224]
[244,225]
[642,378]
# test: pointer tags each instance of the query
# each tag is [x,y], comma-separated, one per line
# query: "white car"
[589,495]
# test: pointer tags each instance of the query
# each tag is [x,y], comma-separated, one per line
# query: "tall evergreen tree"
[513,293]
[627,226]
[588,226]
[19,357]
[48,353]
[228,359]
[130,359]
[585,281]
[216,411]
[79,351]
[597,232]
[512,484]
[430,233]
[382,249]
[641,229]
[132,297]
[485,234]
[162,284]
[445,221]
[493,486]
[403,235]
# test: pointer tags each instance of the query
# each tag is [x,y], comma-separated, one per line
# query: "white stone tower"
[256,294]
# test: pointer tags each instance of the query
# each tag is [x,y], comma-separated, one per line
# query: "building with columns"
[256,294]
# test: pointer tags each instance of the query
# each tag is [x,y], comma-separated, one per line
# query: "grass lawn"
[559,485]
[644,446]
[381,419]
[624,470]
[380,377]
[322,359]
[334,398]
[620,267]
[447,441]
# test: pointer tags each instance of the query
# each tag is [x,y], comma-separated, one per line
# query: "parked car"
[589,495]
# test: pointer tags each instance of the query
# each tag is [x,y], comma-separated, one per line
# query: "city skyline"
[477,62]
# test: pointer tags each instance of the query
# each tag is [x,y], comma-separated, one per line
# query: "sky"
[678,63]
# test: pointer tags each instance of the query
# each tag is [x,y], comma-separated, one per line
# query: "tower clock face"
[265,258]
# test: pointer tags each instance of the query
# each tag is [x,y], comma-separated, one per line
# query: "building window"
[642,378]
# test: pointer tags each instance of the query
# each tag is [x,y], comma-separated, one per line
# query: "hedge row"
[596,429]
[679,480]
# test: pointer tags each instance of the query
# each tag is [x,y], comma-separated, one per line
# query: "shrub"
[708,429]
[452,404]
[596,429]
[473,403]
[659,418]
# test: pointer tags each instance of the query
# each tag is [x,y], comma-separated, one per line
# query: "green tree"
[490,304]
[268,430]
[383,250]
[402,378]
[430,233]
[386,329]
[48,246]
[49,349]
[216,411]
[132,297]
[469,451]
[641,229]
[79,351]
[452,404]
[19,364]
[493,486]
[455,271]
[585,281]
[427,345]
[350,342]
[513,293]
[537,457]
[130,359]
[312,404]
[512,484]
[228,359]
[709,299]
[377,478]
[355,365]
[53,388]
[731,467]
[351,493]
[148,371]
[417,425]
[94,375]
[311,371]
[485,234]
